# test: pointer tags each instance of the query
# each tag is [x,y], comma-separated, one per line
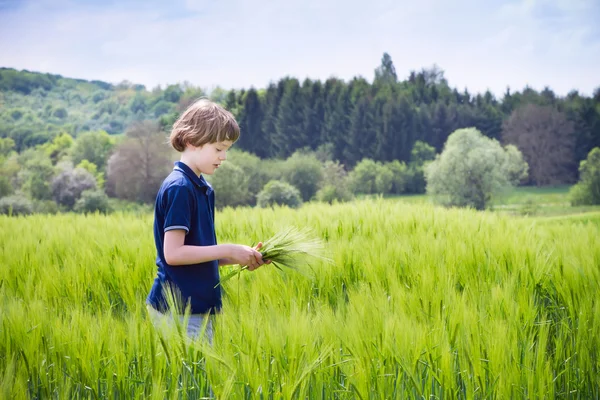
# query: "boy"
[184,232]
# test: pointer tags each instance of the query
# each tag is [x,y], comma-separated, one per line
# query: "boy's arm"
[225,261]
[177,253]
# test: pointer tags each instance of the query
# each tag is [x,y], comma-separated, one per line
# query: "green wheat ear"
[290,248]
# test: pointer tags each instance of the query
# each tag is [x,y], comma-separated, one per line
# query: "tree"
[371,177]
[337,109]
[361,133]
[585,115]
[587,190]
[231,186]
[546,138]
[59,147]
[70,183]
[304,172]
[60,113]
[93,169]
[139,164]
[250,121]
[8,169]
[334,186]
[399,176]
[138,104]
[7,145]
[255,169]
[172,93]
[269,124]
[289,134]
[9,172]
[386,72]
[36,174]
[420,155]
[471,169]
[95,147]
[164,108]
[313,112]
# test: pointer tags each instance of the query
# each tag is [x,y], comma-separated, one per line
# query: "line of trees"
[376,135]
[383,119]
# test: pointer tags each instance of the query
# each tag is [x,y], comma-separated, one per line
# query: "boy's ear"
[189,146]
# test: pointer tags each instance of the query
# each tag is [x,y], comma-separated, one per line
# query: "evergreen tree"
[336,116]
[361,143]
[252,138]
[313,112]
[271,108]
[289,133]
[386,72]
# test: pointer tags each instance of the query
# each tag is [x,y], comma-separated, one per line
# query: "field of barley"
[419,302]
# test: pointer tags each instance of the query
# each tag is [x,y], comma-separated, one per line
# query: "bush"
[420,155]
[93,201]
[280,193]
[305,172]
[384,179]
[415,179]
[587,190]
[399,176]
[45,207]
[231,186]
[16,204]
[334,186]
[332,194]
[258,171]
[371,177]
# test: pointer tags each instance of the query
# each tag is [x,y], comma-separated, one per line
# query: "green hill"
[35,107]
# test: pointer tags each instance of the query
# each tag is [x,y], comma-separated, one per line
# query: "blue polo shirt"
[186,201]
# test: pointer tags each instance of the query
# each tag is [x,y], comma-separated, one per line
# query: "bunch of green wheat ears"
[290,248]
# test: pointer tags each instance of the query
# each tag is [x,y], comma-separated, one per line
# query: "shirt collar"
[198,180]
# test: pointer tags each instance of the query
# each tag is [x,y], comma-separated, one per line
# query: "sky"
[479,44]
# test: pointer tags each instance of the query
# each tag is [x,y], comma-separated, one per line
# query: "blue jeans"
[197,323]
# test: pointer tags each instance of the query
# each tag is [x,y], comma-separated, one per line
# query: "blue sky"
[241,43]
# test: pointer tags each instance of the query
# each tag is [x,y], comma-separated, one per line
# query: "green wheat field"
[419,302]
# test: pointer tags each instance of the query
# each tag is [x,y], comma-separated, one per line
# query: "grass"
[548,201]
[419,302]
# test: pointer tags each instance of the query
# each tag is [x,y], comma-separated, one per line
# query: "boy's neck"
[187,162]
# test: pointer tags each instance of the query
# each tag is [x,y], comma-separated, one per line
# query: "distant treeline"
[379,119]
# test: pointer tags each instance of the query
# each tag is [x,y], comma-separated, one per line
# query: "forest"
[93,132]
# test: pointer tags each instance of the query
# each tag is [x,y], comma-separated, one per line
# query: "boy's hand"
[246,256]
[258,247]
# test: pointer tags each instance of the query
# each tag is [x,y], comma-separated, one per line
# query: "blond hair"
[203,122]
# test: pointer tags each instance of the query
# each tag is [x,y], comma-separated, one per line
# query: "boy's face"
[207,158]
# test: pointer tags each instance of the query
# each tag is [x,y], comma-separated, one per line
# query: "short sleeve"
[178,208]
